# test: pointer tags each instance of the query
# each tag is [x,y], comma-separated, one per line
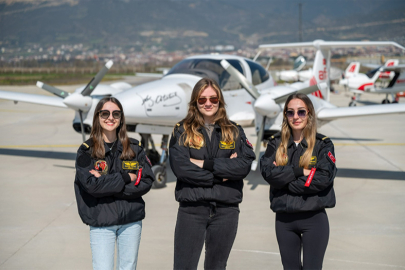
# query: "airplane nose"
[266,106]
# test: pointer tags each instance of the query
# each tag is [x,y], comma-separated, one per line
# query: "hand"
[133,176]
[306,172]
[275,164]
[234,155]
[95,173]
[197,162]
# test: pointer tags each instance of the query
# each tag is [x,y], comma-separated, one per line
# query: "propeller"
[266,105]
[80,102]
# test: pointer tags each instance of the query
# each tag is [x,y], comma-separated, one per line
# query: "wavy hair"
[97,132]
[309,133]
[195,120]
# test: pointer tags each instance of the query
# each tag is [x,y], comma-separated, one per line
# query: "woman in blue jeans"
[112,175]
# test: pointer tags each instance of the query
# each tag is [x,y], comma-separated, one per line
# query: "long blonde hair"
[195,120]
[96,134]
[309,133]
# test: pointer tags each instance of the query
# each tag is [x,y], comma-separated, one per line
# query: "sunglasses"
[203,100]
[301,113]
[106,113]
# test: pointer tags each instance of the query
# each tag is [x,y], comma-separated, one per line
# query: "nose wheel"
[160,176]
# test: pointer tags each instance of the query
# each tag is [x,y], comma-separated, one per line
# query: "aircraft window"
[209,68]
[259,74]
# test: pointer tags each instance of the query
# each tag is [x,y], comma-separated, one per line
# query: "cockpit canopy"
[212,68]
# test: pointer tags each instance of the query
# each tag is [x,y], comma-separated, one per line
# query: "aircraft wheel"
[352,104]
[394,101]
[385,101]
[160,174]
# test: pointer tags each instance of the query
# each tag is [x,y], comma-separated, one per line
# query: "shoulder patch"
[178,124]
[86,145]
[322,137]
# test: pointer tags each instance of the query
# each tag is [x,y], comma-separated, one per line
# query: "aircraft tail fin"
[320,75]
[352,69]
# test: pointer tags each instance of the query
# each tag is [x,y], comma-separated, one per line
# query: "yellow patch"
[313,160]
[85,144]
[130,165]
[225,146]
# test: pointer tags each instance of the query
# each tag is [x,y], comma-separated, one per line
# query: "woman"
[112,174]
[299,165]
[210,156]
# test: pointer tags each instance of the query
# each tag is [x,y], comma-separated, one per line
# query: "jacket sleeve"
[183,168]
[276,176]
[236,168]
[105,185]
[130,190]
[324,175]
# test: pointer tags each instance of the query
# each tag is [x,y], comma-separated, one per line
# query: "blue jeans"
[102,242]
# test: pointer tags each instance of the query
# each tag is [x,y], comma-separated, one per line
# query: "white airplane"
[296,74]
[358,83]
[155,107]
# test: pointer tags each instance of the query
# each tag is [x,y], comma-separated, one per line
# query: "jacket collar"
[303,142]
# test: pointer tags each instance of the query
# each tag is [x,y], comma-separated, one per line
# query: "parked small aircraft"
[358,83]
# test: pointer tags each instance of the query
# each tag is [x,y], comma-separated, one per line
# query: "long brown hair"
[97,132]
[195,120]
[309,133]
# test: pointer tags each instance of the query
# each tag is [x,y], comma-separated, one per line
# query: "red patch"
[247,141]
[331,157]
[147,159]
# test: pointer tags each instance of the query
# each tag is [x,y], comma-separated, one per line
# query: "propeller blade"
[252,90]
[96,79]
[81,125]
[52,89]
[258,143]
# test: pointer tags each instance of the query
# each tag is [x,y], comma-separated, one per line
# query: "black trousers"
[307,229]
[199,222]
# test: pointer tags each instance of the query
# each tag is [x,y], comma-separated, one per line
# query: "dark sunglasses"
[203,100]
[106,113]
[301,113]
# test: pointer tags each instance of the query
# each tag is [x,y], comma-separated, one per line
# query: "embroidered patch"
[198,143]
[331,157]
[148,160]
[313,160]
[130,165]
[101,166]
[247,141]
[226,146]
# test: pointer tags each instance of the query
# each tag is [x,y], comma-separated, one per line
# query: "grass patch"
[53,78]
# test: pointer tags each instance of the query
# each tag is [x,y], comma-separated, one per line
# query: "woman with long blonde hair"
[299,165]
[210,157]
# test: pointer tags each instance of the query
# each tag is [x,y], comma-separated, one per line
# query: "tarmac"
[40,227]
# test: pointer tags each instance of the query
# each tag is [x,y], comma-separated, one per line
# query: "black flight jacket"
[288,193]
[195,184]
[111,199]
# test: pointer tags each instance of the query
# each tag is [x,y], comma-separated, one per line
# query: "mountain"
[178,24]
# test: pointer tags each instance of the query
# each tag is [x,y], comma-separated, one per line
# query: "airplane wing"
[151,75]
[31,98]
[329,114]
[321,44]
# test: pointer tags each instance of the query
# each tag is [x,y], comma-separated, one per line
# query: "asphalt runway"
[41,229]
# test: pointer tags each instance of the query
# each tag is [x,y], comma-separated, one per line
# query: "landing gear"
[385,101]
[158,161]
[353,103]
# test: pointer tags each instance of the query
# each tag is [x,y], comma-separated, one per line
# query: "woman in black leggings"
[299,165]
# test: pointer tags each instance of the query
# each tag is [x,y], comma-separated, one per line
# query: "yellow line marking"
[42,146]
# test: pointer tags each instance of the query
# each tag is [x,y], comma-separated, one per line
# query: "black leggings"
[307,229]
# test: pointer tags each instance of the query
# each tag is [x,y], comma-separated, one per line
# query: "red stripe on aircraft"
[312,81]
[364,85]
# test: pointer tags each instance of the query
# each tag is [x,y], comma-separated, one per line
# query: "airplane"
[358,83]
[155,107]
